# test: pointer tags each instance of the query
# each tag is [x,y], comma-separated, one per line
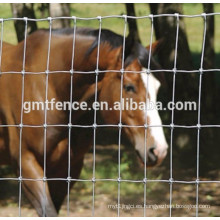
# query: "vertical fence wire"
[146,110]
[120,114]
[95,116]
[172,113]
[21,116]
[199,113]
[70,117]
[45,117]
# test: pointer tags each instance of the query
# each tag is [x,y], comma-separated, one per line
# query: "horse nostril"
[152,149]
[151,155]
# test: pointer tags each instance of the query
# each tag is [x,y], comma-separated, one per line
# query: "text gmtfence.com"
[125,104]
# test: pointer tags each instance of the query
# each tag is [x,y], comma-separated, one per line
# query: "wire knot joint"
[97,72]
[174,70]
[151,16]
[120,125]
[204,15]
[99,18]
[25,19]
[177,15]
[94,126]
[71,71]
[201,70]
[171,181]
[20,179]
[74,18]
[49,19]
[198,126]
[125,18]
[68,179]
[172,126]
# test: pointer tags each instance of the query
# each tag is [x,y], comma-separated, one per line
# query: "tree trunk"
[44,9]
[60,10]
[20,11]
[186,88]
[132,23]
[209,56]
[210,101]
[165,27]
[186,84]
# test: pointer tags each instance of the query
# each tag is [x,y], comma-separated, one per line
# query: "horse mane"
[133,50]
[114,40]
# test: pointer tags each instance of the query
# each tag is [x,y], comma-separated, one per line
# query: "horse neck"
[82,62]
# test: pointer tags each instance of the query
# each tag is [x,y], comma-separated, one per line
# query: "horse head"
[142,126]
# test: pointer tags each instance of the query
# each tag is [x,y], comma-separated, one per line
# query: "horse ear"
[156,46]
[130,44]
[90,92]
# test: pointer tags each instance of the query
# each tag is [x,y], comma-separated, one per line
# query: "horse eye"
[129,88]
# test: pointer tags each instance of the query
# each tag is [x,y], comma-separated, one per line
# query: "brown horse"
[108,88]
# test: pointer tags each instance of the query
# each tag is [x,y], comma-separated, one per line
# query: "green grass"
[107,168]
[194,26]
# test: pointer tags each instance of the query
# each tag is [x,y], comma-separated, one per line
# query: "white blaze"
[154,119]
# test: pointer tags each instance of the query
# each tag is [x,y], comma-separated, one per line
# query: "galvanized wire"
[120,126]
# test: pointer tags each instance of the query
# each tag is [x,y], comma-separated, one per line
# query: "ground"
[131,193]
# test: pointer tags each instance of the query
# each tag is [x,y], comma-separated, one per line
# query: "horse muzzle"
[154,156]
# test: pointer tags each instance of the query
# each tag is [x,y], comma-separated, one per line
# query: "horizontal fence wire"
[108,71]
[120,126]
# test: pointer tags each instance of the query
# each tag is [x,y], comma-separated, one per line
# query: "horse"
[81,77]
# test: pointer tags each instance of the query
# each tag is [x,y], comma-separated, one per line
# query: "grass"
[107,168]
[194,26]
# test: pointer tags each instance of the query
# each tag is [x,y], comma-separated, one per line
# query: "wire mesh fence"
[120,126]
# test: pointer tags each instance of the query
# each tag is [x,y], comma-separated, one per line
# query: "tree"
[165,27]
[209,81]
[44,9]
[132,23]
[60,10]
[186,85]
[210,101]
[23,10]
[209,56]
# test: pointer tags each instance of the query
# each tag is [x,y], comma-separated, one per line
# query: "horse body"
[59,88]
